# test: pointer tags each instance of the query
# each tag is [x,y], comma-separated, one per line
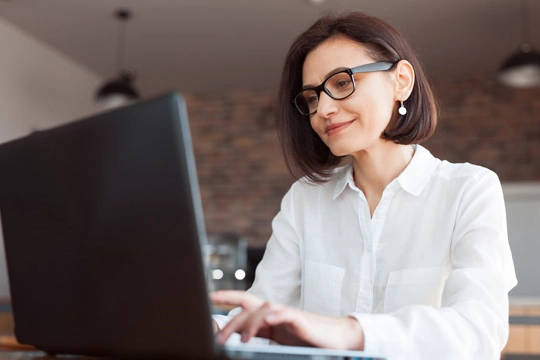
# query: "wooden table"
[10,349]
[38,355]
[24,355]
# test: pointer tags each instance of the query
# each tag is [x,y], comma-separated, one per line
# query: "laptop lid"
[102,224]
[104,237]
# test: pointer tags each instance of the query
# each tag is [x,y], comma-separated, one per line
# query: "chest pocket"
[415,286]
[321,288]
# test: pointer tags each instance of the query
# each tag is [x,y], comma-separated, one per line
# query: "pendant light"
[119,91]
[522,69]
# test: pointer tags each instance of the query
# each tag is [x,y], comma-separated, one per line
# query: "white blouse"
[427,276]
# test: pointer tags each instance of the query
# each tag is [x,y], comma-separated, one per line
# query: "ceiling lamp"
[522,69]
[119,91]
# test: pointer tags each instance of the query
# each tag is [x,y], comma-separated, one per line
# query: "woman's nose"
[326,106]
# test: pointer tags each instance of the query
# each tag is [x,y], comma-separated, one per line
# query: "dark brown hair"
[305,153]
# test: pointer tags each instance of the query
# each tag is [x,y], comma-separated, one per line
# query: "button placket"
[364,300]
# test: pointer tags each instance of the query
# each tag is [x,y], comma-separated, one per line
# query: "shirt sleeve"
[472,322]
[278,275]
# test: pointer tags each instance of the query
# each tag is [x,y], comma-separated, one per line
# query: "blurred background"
[226,56]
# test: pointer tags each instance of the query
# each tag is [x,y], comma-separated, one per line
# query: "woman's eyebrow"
[331,72]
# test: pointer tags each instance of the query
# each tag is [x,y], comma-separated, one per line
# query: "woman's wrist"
[354,334]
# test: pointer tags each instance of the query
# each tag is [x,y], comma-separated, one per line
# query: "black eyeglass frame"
[371,67]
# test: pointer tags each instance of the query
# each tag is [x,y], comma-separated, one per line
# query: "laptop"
[104,236]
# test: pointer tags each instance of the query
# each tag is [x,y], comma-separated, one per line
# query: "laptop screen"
[103,228]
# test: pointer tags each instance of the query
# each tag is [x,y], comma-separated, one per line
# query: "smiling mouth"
[334,128]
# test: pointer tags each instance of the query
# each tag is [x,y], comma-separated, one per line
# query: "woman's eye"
[343,83]
[312,99]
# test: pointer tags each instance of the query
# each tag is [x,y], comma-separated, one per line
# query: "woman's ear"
[404,80]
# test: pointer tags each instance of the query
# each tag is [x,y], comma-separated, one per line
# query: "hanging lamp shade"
[120,90]
[521,69]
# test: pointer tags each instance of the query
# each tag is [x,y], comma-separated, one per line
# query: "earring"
[402,110]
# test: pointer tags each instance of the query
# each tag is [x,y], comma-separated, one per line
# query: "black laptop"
[103,232]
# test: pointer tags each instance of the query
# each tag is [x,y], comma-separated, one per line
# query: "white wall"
[39,88]
[523,214]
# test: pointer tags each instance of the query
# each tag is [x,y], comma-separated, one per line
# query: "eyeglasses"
[338,86]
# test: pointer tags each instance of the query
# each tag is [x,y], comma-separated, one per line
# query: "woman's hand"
[287,325]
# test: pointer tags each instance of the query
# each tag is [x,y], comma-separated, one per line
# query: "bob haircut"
[304,152]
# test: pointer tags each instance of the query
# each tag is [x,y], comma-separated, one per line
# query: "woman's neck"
[375,168]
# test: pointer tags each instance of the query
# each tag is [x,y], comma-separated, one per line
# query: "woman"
[379,246]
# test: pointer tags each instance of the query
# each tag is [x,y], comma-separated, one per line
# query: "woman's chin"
[340,151]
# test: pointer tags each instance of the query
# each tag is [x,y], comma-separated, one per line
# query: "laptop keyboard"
[261,355]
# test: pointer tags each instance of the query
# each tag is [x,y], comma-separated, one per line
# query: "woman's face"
[354,124]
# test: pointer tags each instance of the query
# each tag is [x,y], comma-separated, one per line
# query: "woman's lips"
[334,128]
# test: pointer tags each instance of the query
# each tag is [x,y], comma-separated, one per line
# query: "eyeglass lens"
[338,86]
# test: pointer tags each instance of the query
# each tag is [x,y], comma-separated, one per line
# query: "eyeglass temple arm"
[378,66]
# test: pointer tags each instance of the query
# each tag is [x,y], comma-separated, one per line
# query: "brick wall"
[488,124]
[241,171]
[243,177]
